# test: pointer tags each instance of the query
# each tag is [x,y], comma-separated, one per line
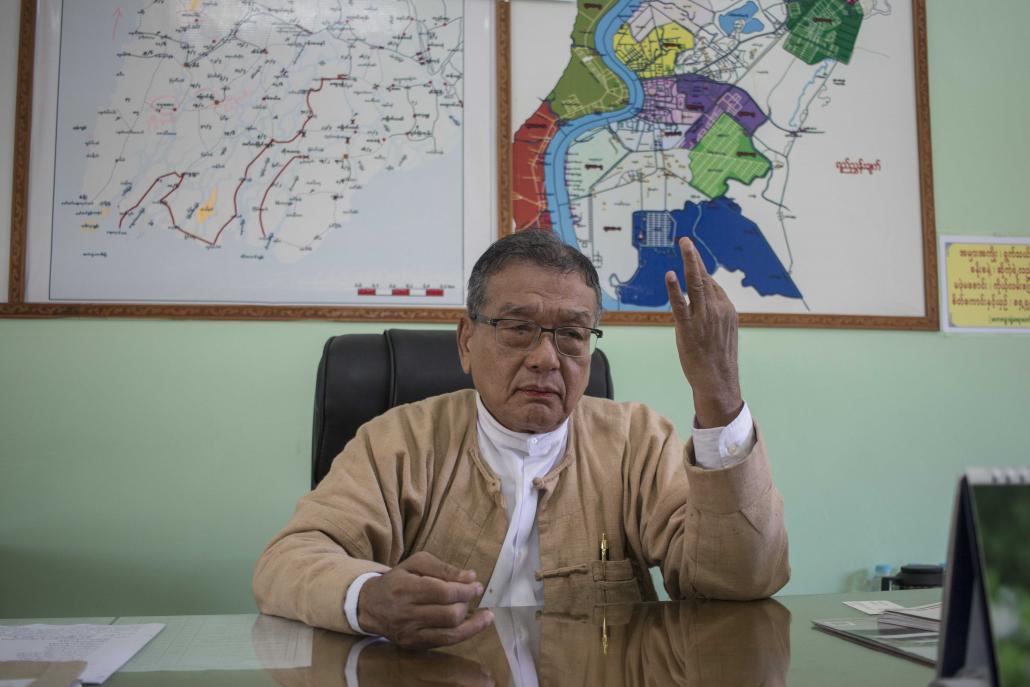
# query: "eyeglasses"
[574,342]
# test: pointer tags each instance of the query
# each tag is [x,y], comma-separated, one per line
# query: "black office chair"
[361,376]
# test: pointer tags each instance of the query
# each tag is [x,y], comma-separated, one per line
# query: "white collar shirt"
[517,459]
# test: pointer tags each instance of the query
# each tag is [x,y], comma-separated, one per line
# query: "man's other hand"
[422,603]
[706,337]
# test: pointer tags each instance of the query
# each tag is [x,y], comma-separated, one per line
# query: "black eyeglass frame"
[553,331]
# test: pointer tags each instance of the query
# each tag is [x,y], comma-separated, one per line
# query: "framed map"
[789,140]
[256,158]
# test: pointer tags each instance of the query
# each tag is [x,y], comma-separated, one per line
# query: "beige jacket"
[412,480]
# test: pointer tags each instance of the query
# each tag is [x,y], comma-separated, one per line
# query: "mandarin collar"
[530,445]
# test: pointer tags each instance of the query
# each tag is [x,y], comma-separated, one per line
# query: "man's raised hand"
[706,338]
[422,603]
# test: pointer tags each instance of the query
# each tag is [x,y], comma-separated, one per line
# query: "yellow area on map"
[988,285]
[194,6]
[656,54]
[208,208]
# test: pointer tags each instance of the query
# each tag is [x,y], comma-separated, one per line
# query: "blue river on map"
[557,150]
[736,243]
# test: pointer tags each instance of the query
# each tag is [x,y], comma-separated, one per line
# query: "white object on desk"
[105,648]
[875,607]
[926,617]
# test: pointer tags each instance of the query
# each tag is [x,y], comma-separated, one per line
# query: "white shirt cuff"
[722,447]
[350,602]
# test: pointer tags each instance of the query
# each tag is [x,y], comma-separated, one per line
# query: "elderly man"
[525,492]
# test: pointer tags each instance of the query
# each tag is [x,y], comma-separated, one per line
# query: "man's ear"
[465,326]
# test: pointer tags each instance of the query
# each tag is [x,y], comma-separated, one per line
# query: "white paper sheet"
[105,648]
[875,607]
[223,642]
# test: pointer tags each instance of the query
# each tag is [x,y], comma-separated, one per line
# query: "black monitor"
[986,639]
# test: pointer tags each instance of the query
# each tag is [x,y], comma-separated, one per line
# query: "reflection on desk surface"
[673,643]
[702,643]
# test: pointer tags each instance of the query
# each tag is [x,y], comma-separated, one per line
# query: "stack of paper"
[103,648]
[927,617]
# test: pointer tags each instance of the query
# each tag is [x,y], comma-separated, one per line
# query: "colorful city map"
[678,118]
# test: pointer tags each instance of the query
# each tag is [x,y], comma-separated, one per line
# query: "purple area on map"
[697,101]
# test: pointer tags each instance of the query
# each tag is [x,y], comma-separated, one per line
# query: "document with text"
[104,648]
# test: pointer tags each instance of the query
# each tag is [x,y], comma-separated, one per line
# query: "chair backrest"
[361,376]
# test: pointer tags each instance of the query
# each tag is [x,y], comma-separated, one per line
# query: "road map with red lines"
[247,151]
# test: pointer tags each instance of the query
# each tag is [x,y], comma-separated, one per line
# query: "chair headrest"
[361,376]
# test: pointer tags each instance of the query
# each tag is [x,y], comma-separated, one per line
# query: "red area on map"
[529,199]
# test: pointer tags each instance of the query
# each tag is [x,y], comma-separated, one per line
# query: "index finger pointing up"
[694,275]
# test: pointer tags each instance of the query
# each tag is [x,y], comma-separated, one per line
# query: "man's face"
[530,390]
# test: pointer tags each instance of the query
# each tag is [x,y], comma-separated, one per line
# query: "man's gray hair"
[540,247]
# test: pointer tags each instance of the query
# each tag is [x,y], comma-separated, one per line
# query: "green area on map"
[822,29]
[724,153]
[587,86]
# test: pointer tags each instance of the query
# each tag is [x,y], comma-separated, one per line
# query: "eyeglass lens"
[571,341]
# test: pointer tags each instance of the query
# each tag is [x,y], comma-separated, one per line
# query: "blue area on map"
[724,237]
[745,13]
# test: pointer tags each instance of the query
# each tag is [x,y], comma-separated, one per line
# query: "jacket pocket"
[614,582]
[589,584]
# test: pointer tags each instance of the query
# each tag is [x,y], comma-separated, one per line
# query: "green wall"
[143,464]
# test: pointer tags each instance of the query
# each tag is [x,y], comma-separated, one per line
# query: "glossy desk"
[710,643]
